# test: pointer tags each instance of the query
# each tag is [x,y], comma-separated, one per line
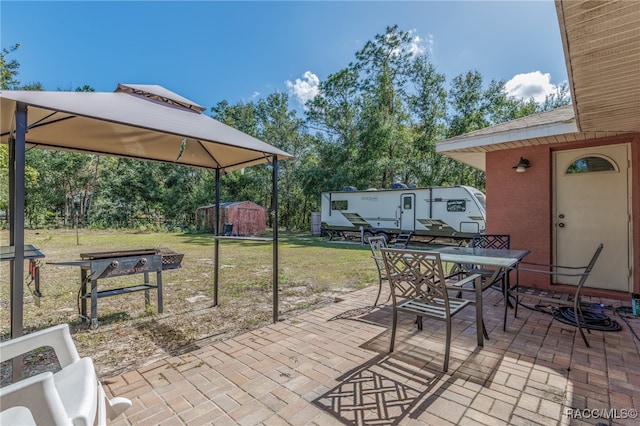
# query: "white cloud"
[534,85]
[430,42]
[304,89]
[417,45]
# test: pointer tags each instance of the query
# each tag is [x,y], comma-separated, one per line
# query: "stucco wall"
[520,204]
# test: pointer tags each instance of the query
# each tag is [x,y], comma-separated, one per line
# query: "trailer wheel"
[386,237]
[366,235]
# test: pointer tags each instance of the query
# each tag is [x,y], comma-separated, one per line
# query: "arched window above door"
[591,164]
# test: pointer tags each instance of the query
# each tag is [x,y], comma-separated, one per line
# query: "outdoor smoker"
[102,265]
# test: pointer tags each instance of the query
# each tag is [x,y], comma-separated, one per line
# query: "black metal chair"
[490,241]
[554,298]
[418,287]
[377,244]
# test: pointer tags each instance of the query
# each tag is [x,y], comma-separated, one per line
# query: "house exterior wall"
[520,204]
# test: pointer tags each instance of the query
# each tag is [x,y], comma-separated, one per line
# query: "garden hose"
[594,320]
[628,314]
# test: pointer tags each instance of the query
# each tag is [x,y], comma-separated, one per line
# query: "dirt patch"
[130,334]
[121,344]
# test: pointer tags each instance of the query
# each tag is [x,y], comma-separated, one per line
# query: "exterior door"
[408,212]
[592,206]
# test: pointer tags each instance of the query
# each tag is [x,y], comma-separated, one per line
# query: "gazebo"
[146,122]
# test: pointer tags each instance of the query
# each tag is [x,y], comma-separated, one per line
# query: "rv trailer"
[456,212]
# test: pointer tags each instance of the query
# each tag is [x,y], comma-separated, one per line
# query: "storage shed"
[239,218]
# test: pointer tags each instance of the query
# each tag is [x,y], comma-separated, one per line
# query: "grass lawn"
[312,272]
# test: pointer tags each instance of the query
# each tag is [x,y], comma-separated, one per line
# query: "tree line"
[373,123]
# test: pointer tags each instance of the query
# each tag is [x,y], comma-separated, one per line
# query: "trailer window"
[340,205]
[456,205]
[482,199]
[406,203]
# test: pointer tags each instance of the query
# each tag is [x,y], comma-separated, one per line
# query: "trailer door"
[408,212]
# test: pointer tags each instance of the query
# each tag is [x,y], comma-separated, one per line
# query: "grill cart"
[111,264]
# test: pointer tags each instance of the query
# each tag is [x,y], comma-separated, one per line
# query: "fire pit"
[111,264]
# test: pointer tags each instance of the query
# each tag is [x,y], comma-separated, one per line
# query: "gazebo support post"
[275,238]
[17,153]
[216,246]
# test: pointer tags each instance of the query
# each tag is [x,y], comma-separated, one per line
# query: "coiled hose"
[628,314]
[594,320]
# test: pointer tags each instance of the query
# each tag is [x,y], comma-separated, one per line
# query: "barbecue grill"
[111,264]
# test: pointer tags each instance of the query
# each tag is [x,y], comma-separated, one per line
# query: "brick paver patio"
[331,366]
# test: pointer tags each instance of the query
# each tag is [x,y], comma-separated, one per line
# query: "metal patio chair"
[489,241]
[553,298]
[418,287]
[377,244]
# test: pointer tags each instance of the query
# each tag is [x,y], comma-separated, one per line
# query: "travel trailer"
[456,212]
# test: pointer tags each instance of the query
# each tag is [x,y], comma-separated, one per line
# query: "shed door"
[592,205]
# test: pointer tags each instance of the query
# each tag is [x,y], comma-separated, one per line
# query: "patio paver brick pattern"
[331,366]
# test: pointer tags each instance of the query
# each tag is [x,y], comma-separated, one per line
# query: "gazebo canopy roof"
[145,122]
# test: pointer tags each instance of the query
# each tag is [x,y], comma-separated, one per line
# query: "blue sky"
[209,51]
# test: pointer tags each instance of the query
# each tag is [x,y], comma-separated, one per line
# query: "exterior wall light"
[522,166]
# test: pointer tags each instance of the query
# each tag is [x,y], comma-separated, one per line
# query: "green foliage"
[381,118]
[9,72]
[373,123]
[9,69]
[4,178]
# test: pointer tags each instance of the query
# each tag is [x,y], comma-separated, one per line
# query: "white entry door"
[592,206]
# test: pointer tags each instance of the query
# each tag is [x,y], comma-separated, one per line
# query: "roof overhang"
[549,127]
[470,148]
[601,41]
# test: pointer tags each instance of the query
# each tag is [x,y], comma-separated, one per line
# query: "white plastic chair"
[70,396]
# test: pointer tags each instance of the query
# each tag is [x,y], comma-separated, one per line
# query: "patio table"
[503,260]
